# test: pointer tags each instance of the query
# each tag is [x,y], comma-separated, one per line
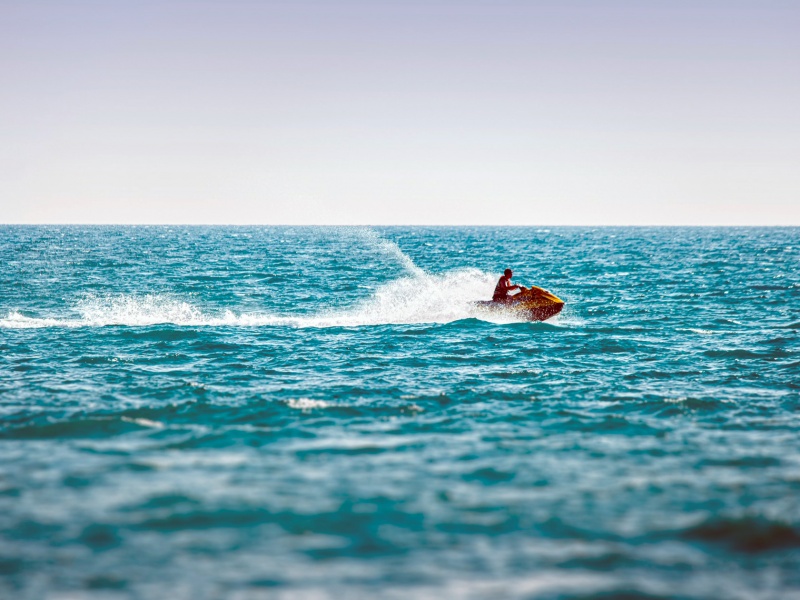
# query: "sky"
[558,112]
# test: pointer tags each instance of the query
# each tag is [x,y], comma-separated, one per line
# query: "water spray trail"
[417,297]
[423,298]
[390,249]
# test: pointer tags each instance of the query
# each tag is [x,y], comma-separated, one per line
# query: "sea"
[191,412]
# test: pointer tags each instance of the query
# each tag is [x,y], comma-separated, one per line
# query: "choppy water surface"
[191,412]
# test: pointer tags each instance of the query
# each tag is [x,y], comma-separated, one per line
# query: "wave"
[414,299]
[747,534]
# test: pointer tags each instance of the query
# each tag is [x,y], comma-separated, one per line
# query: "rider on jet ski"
[504,286]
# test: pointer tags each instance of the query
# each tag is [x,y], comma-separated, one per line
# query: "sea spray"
[149,309]
[388,248]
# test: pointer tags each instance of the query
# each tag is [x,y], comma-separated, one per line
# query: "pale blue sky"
[469,112]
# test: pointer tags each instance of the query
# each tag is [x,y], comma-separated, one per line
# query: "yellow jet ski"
[531,304]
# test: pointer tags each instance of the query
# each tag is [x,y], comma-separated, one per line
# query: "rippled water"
[192,412]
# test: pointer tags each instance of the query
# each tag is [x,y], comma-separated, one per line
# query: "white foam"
[144,422]
[306,404]
[15,320]
[416,299]
[677,400]
[421,298]
[150,309]
[566,320]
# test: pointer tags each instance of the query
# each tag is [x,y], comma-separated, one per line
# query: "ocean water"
[284,412]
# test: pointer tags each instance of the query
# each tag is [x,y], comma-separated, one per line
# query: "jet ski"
[531,304]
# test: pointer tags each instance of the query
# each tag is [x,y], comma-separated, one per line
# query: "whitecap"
[306,404]
[144,422]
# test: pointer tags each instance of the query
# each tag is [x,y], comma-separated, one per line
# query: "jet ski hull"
[531,304]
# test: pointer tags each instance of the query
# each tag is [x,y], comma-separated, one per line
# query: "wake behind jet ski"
[531,304]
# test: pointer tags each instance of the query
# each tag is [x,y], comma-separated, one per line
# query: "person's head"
[508,273]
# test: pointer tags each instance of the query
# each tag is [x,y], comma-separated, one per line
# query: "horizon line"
[564,225]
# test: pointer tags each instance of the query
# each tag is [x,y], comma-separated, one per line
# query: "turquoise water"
[251,412]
